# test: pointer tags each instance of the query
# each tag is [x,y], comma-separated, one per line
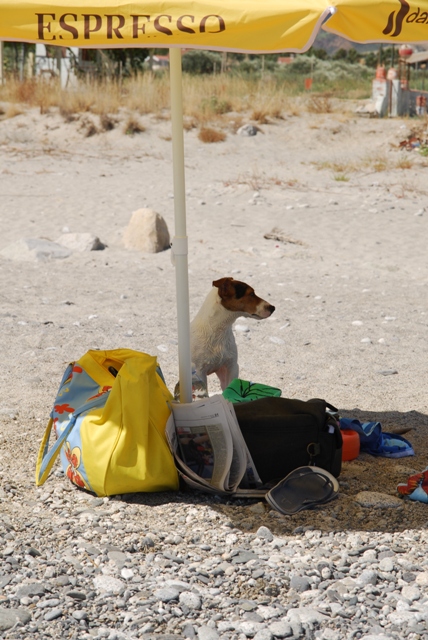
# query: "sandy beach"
[348,274]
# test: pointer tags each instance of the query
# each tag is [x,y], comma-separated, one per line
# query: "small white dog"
[212,343]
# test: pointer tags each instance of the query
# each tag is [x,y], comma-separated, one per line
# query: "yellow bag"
[109,418]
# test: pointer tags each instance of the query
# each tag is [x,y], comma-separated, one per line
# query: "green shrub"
[196,62]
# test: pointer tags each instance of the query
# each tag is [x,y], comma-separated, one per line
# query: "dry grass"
[133,126]
[257,181]
[12,111]
[338,167]
[42,94]
[219,102]
[208,134]
[207,99]
[319,103]
[404,163]
[378,164]
[146,93]
[375,163]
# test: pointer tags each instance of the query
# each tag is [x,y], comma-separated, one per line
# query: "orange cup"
[351,445]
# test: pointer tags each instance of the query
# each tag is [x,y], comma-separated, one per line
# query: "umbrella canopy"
[224,25]
[272,25]
[393,21]
[227,25]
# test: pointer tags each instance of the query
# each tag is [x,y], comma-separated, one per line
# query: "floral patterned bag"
[109,418]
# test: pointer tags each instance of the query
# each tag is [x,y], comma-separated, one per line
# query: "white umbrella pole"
[179,242]
[1,63]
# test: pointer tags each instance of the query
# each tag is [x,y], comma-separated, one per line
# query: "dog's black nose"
[271,308]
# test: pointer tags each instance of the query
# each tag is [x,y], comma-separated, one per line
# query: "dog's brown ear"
[225,288]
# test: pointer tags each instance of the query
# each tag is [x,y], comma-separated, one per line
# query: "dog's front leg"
[227,373]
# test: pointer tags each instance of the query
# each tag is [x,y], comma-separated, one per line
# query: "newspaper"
[209,449]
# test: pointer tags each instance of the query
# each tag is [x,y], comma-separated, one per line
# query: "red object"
[405,51]
[351,444]
[308,84]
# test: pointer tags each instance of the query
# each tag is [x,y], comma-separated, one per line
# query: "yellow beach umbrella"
[391,21]
[253,26]
[228,25]
[271,25]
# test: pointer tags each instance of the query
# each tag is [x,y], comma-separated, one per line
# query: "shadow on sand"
[366,473]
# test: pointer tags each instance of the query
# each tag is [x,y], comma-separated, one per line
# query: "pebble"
[166,570]
[248,130]
[10,617]
[53,614]
[374,499]
[190,600]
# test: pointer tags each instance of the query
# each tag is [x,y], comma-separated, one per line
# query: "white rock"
[374,499]
[108,584]
[263,634]
[368,576]
[267,613]
[280,629]
[375,636]
[190,600]
[411,592]
[35,249]
[422,579]
[127,574]
[403,618]
[147,231]
[357,323]
[386,564]
[264,533]
[249,627]
[207,633]
[248,130]
[81,242]
[306,615]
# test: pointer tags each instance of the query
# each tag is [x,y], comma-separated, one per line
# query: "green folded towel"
[244,391]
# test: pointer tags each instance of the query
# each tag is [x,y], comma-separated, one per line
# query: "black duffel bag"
[283,434]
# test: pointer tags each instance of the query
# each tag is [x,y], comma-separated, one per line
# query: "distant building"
[157,62]
[54,62]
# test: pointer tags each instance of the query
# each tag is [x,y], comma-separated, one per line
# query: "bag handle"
[46,457]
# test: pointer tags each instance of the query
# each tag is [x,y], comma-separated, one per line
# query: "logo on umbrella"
[401,14]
